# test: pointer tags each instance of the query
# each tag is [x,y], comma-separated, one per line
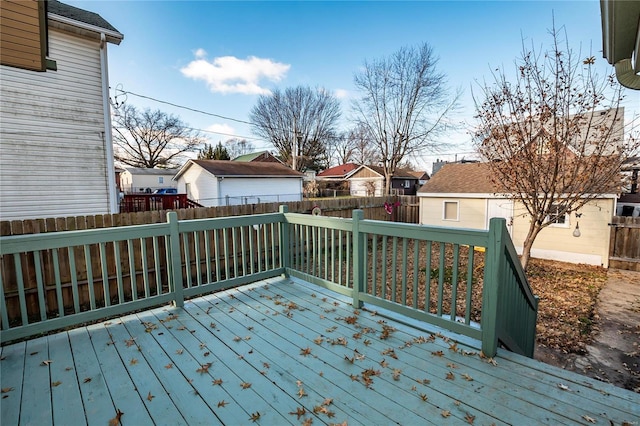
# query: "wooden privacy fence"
[59,279]
[624,247]
[374,208]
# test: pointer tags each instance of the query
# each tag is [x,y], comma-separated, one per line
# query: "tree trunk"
[534,230]
[387,184]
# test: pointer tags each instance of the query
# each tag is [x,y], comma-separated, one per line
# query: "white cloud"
[221,128]
[228,74]
[341,93]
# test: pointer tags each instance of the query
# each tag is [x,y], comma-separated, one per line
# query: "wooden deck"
[282,351]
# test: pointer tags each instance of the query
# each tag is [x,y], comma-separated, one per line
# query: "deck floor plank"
[175,365]
[335,354]
[262,396]
[66,399]
[184,335]
[11,379]
[516,380]
[36,392]
[458,398]
[97,402]
[161,407]
[108,367]
[425,365]
[272,361]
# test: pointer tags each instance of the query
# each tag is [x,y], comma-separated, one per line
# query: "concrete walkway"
[614,355]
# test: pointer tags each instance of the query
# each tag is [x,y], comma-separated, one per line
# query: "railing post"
[358,258]
[284,240]
[175,264]
[493,271]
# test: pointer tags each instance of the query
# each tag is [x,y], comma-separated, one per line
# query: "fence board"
[624,248]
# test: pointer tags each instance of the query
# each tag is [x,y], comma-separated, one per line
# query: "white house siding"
[52,148]
[203,186]
[256,190]
[359,186]
[139,182]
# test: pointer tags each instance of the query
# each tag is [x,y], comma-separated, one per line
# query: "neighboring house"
[135,180]
[56,155]
[628,205]
[368,181]
[219,183]
[423,177]
[463,196]
[260,156]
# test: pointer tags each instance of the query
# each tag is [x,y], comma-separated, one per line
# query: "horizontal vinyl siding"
[52,152]
[204,186]
[20,34]
[272,189]
[472,212]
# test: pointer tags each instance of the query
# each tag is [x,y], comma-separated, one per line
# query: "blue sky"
[218,56]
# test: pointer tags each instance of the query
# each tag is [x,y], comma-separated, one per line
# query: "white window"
[160,179]
[556,218]
[450,210]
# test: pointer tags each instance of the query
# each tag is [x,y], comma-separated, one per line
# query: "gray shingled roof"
[151,172]
[77,14]
[244,169]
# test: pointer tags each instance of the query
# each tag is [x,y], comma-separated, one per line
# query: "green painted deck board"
[258,334]
[35,408]
[11,378]
[66,400]
[407,400]
[534,382]
[108,367]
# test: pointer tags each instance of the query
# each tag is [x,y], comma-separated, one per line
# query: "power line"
[126,92]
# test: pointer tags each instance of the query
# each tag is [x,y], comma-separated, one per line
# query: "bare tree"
[299,122]
[405,105]
[554,135]
[237,147]
[148,138]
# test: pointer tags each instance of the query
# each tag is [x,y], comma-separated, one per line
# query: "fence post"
[358,258]
[175,263]
[284,240]
[493,271]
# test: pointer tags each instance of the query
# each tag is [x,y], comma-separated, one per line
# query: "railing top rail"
[337,223]
[525,287]
[51,240]
[229,222]
[474,237]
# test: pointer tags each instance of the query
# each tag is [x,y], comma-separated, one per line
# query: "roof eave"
[84,29]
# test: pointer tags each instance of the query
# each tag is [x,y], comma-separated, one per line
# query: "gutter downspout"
[108,141]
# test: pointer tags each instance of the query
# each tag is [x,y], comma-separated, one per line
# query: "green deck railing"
[55,280]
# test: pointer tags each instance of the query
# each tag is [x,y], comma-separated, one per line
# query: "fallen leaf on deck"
[54,384]
[454,347]
[469,418]
[467,377]
[116,420]
[217,382]
[307,422]
[150,397]
[204,368]
[589,419]
[327,401]
[222,403]
[452,365]
[255,417]
[318,340]
[245,385]
[437,353]
[445,413]
[301,393]
[86,380]
[5,390]
[133,361]
[563,387]
[451,376]
[130,342]
[68,369]
[424,397]
[168,366]
[179,351]
[306,351]
[46,362]
[396,374]
[300,411]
